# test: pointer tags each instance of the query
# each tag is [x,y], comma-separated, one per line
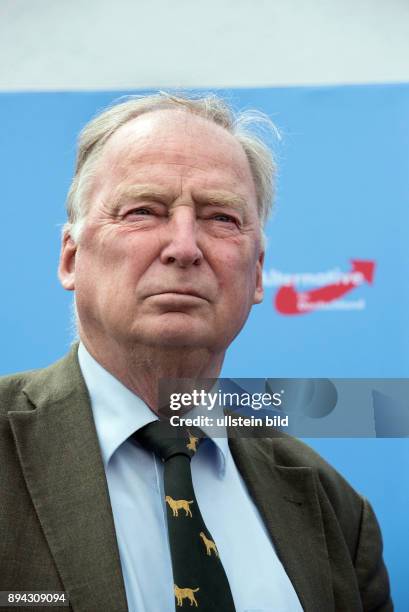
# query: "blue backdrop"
[342,198]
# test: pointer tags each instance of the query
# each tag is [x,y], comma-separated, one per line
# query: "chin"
[175,332]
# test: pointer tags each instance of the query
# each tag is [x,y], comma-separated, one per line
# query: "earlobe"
[66,268]
[259,291]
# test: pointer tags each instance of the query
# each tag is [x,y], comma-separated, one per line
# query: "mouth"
[182,293]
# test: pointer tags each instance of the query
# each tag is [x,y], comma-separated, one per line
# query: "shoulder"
[11,388]
[40,385]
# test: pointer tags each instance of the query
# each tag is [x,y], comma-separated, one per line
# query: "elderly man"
[164,250]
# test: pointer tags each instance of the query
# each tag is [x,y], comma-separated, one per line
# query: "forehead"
[175,141]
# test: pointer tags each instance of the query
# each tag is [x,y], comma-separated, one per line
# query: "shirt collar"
[118,412]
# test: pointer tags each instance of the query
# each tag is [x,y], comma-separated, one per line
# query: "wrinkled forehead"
[175,137]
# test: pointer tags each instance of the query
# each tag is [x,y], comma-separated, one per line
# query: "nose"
[181,245]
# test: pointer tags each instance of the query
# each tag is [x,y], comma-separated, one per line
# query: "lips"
[188,292]
[183,292]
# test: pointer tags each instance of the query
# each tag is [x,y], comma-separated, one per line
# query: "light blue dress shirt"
[257,578]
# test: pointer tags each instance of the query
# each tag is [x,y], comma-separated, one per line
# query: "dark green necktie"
[198,574]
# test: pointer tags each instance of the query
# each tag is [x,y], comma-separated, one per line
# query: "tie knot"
[167,441]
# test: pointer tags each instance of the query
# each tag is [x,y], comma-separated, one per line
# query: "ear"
[66,267]
[259,291]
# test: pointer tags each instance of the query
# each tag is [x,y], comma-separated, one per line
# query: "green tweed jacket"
[56,525]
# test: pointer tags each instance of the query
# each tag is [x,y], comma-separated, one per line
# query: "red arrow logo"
[288,301]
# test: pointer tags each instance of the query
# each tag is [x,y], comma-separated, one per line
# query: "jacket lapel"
[287,501]
[60,457]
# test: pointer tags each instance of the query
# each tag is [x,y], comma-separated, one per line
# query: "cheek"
[113,264]
[237,285]
[104,251]
[237,266]
[96,270]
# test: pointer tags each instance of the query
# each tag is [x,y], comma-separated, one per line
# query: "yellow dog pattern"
[179,504]
[182,594]
[210,545]
[192,445]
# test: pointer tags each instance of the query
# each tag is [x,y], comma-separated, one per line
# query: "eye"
[139,211]
[224,218]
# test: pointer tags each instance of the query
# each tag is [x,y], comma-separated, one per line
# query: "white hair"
[242,125]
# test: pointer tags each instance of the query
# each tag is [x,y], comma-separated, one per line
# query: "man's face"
[170,251]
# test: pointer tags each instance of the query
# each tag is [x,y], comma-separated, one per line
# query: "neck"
[140,368]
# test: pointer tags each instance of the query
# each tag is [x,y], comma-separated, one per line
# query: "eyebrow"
[205,197]
[140,192]
[221,198]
